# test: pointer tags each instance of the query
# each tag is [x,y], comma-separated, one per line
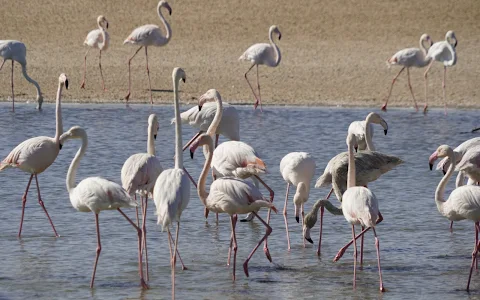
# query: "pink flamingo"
[149,35]
[35,155]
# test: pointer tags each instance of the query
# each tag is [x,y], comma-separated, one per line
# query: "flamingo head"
[451,36]
[102,21]
[377,119]
[179,74]
[211,94]
[153,124]
[63,80]
[442,151]
[202,140]
[426,38]
[165,4]
[351,140]
[274,29]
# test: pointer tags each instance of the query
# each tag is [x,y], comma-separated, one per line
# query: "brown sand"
[333,52]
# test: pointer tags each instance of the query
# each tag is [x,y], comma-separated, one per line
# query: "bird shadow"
[162,91]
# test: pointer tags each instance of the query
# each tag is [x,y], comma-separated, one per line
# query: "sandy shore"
[333,52]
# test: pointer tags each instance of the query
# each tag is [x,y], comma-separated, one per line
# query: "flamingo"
[359,129]
[172,188]
[262,54]
[407,58]
[232,196]
[17,52]
[297,168]
[36,154]
[149,35]
[463,202]
[99,39]
[94,194]
[458,153]
[444,52]
[470,164]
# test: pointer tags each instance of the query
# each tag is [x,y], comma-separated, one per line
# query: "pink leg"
[3,64]
[377,245]
[144,232]
[174,260]
[384,107]
[99,249]
[303,223]
[101,73]
[443,87]
[129,75]
[411,90]
[451,226]
[272,194]
[82,86]
[13,94]
[233,220]
[322,210]
[285,216]
[148,74]
[259,96]
[267,233]
[24,201]
[361,248]
[354,257]
[178,253]
[231,241]
[426,84]
[251,87]
[43,206]
[191,178]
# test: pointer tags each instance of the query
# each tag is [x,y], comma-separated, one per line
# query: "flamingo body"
[470,163]
[237,159]
[297,167]
[260,54]
[147,35]
[140,172]
[94,39]
[360,206]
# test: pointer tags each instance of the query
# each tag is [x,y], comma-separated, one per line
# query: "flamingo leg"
[139,233]
[99,249]
[285,216]
[174,260]
[43,206]
[233,219]
[267,233]
[101,73]
[474,258]
[272,194]
[426,84]
[129,74]
[377,245]
[384,107]
[251,87]
[411,90]
[451,226]
[443,87]
[259,96]
[148,74]
[361,248]
[191,178]
[322,211]
[24,202]
[230,249]
[13,94]
[178,253]
[354,257]
[2,64]
[144,232]
[303,222]
[476,242]
[82,86]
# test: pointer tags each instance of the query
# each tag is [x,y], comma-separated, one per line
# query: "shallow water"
[421,259]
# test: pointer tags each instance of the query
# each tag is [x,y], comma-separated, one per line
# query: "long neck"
[168,30]
[24,71]
[58,113]
[422,47]
[104,38]
[439,199]
[368,134]
[278,55]
[150,141]
[328,205]
[202,192]
[218,117]
[72,170]
[351,167]
[178,128]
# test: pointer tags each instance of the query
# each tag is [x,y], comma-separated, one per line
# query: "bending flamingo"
[262,54]
[17,52]
[360,128]
[94,194]
[149,35]
[407,58]
[99,39]
[35,155]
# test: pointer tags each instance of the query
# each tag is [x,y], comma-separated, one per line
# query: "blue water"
[421,259]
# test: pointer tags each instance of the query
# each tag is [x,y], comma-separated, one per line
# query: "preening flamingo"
[297,168]
[232,196]
[458,153]
[444,52]
[99,39]
[470,164]
[35,155]
[149,35]
[262,54]
[17,52]
[463,202]
[407,58]
[94,194]
[172,188]
[360,128]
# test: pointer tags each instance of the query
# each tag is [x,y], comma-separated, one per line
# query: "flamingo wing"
[139,172]
[142,35]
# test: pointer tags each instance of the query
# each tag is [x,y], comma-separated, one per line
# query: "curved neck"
[24,71]
[72,170]
[202,192]
[351,167]
[328,206]
[212,129]
[168,30]
[278,55]
[178,128]
[104,38]
[368,133]
[150,140]
[422,46]
[58,113]
[439,200]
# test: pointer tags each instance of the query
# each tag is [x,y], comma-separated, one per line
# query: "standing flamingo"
[444,52]
[407,58]
[262,54]
[94,194]
[463,202]
[149,35]
[172,188]
[470,164]
[360,128]
[35,155]
[297,168]
[17,52]
[97,38]
[458,153]
[232,196]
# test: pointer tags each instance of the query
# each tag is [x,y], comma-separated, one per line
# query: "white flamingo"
[407,58]
[35,155]
[262,54]
[172,188]
[444,52]
[232,196]
[17,52]
[297,168]
[470,164]
[458,153]
[463,202]
[149,35]
[94,194]
[360,128]
[99,39]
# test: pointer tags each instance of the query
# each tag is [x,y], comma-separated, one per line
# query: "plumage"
[360,128]
[470,163]
[360,206]
[98,39]
[237,159]
[458,153]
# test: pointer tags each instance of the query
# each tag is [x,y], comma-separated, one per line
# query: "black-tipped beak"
[60,146]
[107,25]
[155,136]
[280,36]
[442,171]
[169,11]
[431,167]
[456,43]
[184,80]
[309,240]
[356,148]
[205,213]
[199,107]
[191,154]
[298,219]
[66,84]
[385,131]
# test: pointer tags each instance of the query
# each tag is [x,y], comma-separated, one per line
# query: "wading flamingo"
[262,54]
[458,153]
[360,128]
[171,193]
[232,196]
[17,52]
[463,202]
[470,164]
[94,194]
[297,168]
[149,35]
[35,155]
[407,58]
[99,39]
[444,52]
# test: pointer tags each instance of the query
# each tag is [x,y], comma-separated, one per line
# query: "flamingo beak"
[205,212]
[455,45]
[385,131]
[200,107]
[306,234]
[279,36]
[297,218]
[191,153]
[184,80]
[155,136]
[107,24]
[60,146]
[432,159]
[66,84]
[356,148]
